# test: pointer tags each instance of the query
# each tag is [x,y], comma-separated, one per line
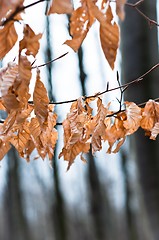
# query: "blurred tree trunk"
[58,209]
[99,206]
[17,226]
[140,53]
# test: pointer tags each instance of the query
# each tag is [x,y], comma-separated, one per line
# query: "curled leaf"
[30,41]
[133,114]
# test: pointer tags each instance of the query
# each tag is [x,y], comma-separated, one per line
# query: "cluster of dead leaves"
[30,126]
[83,132]
[81,20]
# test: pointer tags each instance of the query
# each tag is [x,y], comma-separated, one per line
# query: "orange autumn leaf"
[30,41]
[40,100]
[100,127]
[109,37]
[75,132]
[9,5]
[4,148]
[133,117]
[49,135]
[8,77]
[80,23]
[20,139]
[120,4]
[155,131]
[150,115]
[60,6]
[23,81]
[8,38]
[114,133]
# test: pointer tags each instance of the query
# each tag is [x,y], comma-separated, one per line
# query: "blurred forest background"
[111,196]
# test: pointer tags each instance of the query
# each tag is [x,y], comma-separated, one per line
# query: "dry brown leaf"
[109,37]
[2,106]
[20,139]
[114,133]
[4,148]
[8,123]
[49,135]
[8,77]
[22,84]
[75,132]
[133,113]
[6,5]
[120,4]
[35,132]
[30,41]
[100,127]
[81,21]
[71,153]
[155,131]
[60,7]
[150,115]
[8,38]
[40,100]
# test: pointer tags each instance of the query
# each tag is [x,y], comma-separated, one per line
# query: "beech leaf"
[40,100]
[60,6]
[133,114]
[109,37]
[8,38]
[4,148]
[81,21]
[100,127]
[30,41]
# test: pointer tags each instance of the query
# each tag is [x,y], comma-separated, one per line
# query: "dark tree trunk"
[140,53]
[59,217]
[99,207]
[16,220]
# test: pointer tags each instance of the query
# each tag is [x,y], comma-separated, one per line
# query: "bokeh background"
[111,196]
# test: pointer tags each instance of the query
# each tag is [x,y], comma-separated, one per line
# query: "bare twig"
[55,59]
[124,87]
[135,6]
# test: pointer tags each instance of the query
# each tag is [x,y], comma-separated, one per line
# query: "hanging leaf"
[75,140]
[109,37]
[11,5]
[8,77]
[4,148]
[30,41]
[20,139]
[60,6]
[35,132]
[133,117]
[49,135]
[40,100]
[81,21]
[8,38]
[155,131]
[114,133]
[150,115]
[120,4]
[100,127]
[23,81]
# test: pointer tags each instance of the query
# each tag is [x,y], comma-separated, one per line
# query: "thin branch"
[47,63]
[20,9]
[124,87]
[135,6]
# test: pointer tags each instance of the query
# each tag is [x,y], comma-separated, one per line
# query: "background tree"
[140,52]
